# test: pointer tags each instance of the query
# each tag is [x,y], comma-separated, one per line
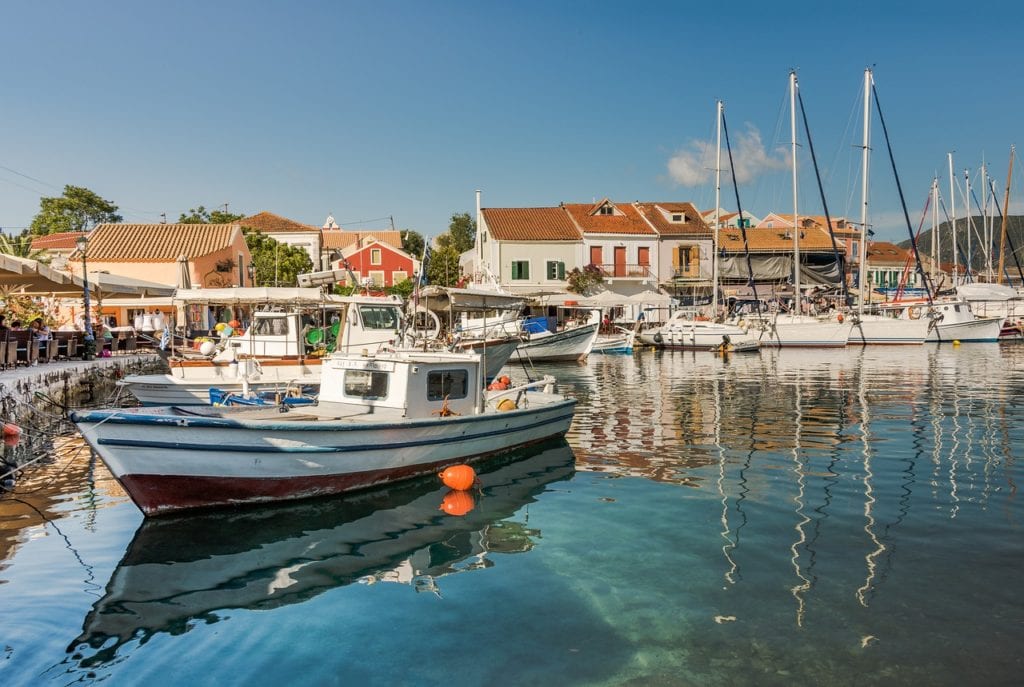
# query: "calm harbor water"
[788,517]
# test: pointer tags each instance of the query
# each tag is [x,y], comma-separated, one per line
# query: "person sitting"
[39,330]
[3,324]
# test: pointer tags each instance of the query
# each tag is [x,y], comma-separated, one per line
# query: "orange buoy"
[506,404]
[497,385]
[11,430]
[457,503]
[839,317]
[11,440]
[460,477]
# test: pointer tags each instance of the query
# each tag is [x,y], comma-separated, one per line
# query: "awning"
[255,296]
[25,276]
[441,298]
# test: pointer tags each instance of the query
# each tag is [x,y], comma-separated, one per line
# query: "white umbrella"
[605,299]
[651,298]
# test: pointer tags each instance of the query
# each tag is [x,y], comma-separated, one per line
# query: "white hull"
[698,334]
[882,330]
[568,344]
[972,331]
[788,330]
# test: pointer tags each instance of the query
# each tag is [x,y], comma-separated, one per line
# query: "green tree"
[583,281]
[443,266]
[461,234]
[79,209]
[201,215]
[275,263]
[403,288]
[413,242]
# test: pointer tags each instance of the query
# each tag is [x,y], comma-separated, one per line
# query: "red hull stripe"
[155,494]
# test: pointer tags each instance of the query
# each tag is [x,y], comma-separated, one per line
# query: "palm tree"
[21,247]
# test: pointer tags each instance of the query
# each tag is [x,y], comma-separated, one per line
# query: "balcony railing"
[686,272]
[625,271]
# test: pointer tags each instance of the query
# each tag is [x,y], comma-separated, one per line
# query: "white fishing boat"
[955,321]
[683,330]
[569,344]
[620,341]
[279,350]
[380,418]
[789,330]
[887,329]
[179,570]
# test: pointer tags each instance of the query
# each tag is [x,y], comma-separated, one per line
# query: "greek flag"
[423,265]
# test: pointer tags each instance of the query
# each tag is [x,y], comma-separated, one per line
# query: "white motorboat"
[621,341]
[570,344]
[785,330]
[380,418]
[955,321]
[684,330]
[887,328]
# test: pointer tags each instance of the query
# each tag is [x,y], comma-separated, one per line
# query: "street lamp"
[90,340]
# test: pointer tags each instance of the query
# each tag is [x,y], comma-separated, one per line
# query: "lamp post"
[90,339]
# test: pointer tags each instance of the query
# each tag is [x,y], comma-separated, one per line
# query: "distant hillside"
[1014,230]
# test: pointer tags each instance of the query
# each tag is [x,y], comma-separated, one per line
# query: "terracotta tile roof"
[530,224]
[660,215]
[268,221]
[62,241]
[157,242]
[839,224]
[629,222]
[335,239]
[776,240]
[885,253]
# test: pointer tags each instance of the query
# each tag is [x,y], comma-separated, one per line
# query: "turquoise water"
[788,517]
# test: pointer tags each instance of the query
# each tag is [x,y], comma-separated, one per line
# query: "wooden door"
[620,261]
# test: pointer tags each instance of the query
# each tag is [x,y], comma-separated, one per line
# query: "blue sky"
[370,110]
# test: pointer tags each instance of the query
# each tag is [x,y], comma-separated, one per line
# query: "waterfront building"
[370,257]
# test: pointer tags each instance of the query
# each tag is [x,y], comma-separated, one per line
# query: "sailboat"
[795,328]
[882,327]
[685,331]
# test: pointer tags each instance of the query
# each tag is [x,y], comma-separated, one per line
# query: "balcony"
[625,271]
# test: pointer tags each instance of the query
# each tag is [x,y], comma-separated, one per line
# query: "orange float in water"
[457,503]
[460,477]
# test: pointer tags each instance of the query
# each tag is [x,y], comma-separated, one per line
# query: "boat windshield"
[366,384]
[270,326]
[444,384]
[379,317]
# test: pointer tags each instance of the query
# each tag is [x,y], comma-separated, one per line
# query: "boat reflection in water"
[181,569]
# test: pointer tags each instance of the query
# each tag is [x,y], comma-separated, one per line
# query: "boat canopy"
[256,295]
[442,298]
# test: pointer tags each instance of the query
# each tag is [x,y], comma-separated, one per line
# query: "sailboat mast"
[718,204]
[862,278]
[986,230]
[936,239]
[952,205]
[1006,210]
[796,217]
[969,223]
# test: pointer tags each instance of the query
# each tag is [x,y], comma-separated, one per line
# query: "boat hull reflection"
[184,568]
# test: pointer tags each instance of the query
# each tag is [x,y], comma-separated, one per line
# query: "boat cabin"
[420,384]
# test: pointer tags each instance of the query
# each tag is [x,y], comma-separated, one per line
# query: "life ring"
[431,332]
[658,338]
[914,312]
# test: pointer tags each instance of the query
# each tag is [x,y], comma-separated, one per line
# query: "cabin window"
[366,384]
[270,326]
[450,384]
[556,270]
[375,256]
[378,317]
[520,269]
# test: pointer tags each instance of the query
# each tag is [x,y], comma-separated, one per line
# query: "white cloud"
[694,165]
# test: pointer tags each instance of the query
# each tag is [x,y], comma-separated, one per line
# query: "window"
[679,218]
[853,249]
[398,276]
[556,270]
[367,384]
[270,326]
[444,384]
[379,316]
[377,277]
[520,269]
[375,256]
[606,210]
[643,256]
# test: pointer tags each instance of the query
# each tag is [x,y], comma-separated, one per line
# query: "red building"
[379,261]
